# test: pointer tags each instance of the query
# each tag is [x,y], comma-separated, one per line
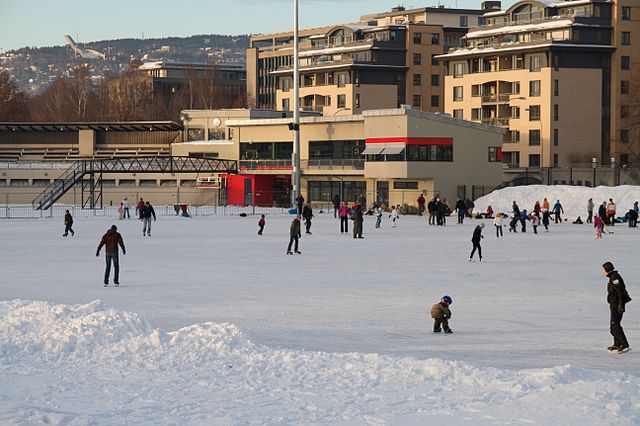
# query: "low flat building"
[390,156]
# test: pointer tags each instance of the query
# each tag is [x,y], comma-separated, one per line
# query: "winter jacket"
[611,208]
[535,220]
[461,206]
[261,222]
[148,211]
[598,223]
[336,202]
[477,235]
[68,219]
[545,217]
[394,214]
[307,213]
[498,220]
[617,295]
[344,211]
[602,211]
[590,206]
[432,207]
[545,204]
[294,229]
[357,213]
[516,210]
[557,208]
[536,208]
[379,212]
[421,201]
[112,239]
[440,310]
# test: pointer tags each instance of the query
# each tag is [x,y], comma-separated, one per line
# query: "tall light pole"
[296,109]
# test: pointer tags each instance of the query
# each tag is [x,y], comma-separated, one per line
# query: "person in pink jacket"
[344,214]
[598,224]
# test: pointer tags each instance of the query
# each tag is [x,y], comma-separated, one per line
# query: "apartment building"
[556,74]
[390,155]
[382,61]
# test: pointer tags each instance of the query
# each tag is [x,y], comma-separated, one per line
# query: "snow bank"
[87,363]
[573,198]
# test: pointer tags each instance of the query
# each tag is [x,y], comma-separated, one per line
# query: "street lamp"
[339,110]
[295,160]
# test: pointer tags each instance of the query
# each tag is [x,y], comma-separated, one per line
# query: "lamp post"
[339,110]
[296,110]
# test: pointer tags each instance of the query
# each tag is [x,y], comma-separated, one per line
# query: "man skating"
[68,223]
[617,297]
[307,214]
[294,235]
[557,209]
[147,213]
[358,220]
[111,240]
[477,236]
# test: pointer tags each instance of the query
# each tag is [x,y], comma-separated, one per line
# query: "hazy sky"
[44,22]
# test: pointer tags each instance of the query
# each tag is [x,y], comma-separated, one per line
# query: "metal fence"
[58,210]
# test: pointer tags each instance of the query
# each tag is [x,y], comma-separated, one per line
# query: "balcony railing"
[496,121]
[345,164]
[265,165]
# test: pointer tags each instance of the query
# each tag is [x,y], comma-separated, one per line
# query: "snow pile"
[573,198]
[115,368]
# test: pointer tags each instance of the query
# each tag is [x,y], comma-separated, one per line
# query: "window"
[356,79]
[342,101]
[555,159]
[286,84]
[285,104]
[624,87]
[555,137]
[513,136]
[626,13]
[515,112]
[357,101]
[216,135]
[534,160]
[511,158]
[625,62]
[556,87]
[405,185]
[458,113]
[435,101]
[429,153]
[417,80]
[457,93]
[476,90]
[417,59]
[494,154]
[556,112]
[624,159]
[534,137]
[624,111]
[435,38]
[535,63]
[342,79]
[434,61]
[458,69]
[324,190]
[195,134]
[534,113]
[336,150]
[417,101]
[464,21]
[435,79]
[475,114]
[625,38]
[417,38]
[534,88]
[624,135]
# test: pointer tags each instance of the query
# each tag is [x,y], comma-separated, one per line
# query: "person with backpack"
[147,213]
[611,212]
[475,239]
[261,224]
[111,240]
[617,297]
[441,315]
[344,213]
[68,223]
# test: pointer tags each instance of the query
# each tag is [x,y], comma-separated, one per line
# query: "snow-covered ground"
[215,325]
[572,198]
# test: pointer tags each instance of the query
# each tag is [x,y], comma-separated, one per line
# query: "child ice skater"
[394,216]
[378,216]
[261,223]
[598,224]
[441,314]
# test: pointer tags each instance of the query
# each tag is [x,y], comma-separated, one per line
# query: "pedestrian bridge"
[88,173]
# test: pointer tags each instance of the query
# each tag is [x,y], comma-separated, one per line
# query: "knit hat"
[482,225]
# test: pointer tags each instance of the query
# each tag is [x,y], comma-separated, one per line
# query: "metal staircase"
[89,173]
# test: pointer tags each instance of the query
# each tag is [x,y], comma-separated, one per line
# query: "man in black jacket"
[477,236]
[307,214]
[358,219]
[617,297]
[147,213]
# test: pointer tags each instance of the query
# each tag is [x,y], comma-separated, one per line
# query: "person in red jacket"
[261,223]
[140,207]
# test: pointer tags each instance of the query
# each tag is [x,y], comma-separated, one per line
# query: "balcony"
[265,166]
[498,99]
[500,122]
[330,164]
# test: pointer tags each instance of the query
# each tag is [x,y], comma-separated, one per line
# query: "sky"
[40,23]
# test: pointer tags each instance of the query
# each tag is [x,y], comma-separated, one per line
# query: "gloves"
[124,252]
[97,254]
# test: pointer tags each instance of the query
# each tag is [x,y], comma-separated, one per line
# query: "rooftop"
[119,126]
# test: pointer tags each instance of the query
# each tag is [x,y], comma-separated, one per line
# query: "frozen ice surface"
[216,325]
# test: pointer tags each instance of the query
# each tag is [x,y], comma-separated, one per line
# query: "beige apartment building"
[384,60]
[390,156]
[556,75]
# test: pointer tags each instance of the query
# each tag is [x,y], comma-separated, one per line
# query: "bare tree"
[12,100]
